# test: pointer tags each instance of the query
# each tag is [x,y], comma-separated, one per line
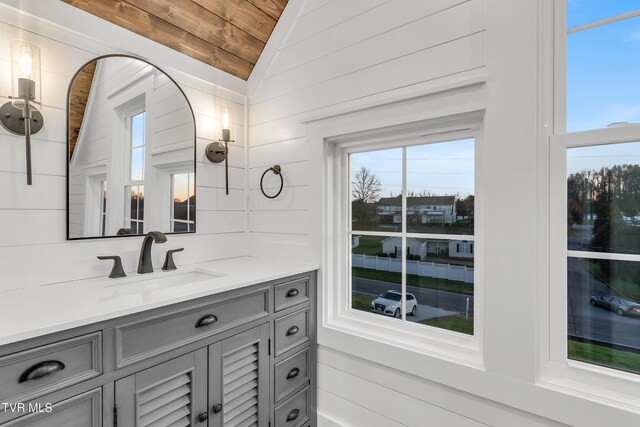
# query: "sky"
[603,80]
[603,65]
[440,168]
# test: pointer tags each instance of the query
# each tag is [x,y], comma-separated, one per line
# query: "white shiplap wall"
[33,246]
[334,55]
[334,59]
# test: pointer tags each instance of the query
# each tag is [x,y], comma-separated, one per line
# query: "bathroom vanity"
[225,343]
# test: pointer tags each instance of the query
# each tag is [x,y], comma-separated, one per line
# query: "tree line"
[609,199]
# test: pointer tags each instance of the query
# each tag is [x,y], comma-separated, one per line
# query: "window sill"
[379,340]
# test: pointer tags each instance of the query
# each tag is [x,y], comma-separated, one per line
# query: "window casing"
[463,348]
[569,139]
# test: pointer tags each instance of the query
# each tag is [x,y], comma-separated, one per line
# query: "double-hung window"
[595,194]
[406,233]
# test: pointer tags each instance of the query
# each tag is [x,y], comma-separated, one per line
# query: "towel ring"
[278,171]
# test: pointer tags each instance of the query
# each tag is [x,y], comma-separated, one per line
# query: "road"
[584,320]
[596,323]
[450,301]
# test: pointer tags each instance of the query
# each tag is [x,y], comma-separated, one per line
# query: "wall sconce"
[19,116]
[219,151]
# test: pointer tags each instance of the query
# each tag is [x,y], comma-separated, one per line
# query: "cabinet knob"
[216,409]
[292,293]
[292,331]
[293,373]
[42,369]
[293,415]
[203,417]
[206,320]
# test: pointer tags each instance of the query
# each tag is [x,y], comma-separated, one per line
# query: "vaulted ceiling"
[227,34]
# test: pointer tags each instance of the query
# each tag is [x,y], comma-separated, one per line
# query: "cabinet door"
[239,380]
[173,393]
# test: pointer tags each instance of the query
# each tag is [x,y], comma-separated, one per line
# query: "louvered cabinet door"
[239,380]
[172,394]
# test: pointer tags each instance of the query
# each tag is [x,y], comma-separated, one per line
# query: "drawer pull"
[216,409]
[203,417]
[43,369]
[292,331]
[292,293]
[207,320]
[293,373]
[293,415]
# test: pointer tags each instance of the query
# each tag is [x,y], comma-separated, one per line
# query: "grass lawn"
[601,355]
[369,245]
[455,323]
[413,280]
[361,302]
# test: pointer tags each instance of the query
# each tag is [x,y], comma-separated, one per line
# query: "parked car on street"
[390,304]
[619,305]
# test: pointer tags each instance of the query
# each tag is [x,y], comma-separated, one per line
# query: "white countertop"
[32,312]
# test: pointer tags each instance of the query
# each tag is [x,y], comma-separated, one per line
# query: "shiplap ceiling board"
[227,34]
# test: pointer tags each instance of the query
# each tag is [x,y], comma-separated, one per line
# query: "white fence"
[460,273]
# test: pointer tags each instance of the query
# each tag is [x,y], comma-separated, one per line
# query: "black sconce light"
[219,151]
[19,116]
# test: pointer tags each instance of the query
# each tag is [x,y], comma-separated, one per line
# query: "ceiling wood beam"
[148,25]
[243,15]
[195,19]
[273,8]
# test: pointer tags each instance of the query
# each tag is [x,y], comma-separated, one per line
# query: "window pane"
[603,198]
[134,208]
[603,312]
[376,185]
[440,277]
[137,164]
[440,187]
[181,196]
[137,130]
[376,280]
[580,12]
[602,81]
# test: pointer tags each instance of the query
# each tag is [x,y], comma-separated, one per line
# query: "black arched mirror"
[131,151]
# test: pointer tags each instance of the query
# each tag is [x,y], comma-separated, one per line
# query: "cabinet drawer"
[291,293]
[155,335]
[291,374]
[84,410]
[291,330]
[295,411]
[32,373]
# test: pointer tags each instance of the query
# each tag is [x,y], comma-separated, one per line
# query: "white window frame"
[557,372]
[461,348]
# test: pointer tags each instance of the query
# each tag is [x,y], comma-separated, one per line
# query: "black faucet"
[144,264]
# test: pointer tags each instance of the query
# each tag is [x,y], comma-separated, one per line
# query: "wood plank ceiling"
[227,34]
[79,94]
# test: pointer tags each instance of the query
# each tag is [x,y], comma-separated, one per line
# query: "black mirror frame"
[68,160]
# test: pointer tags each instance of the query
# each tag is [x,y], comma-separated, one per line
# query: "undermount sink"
[164,280]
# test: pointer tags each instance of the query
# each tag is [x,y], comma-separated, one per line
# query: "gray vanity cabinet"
[171,393]
[239,379]
[243,357]
[224,384]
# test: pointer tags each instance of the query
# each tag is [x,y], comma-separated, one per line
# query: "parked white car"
[390,304]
